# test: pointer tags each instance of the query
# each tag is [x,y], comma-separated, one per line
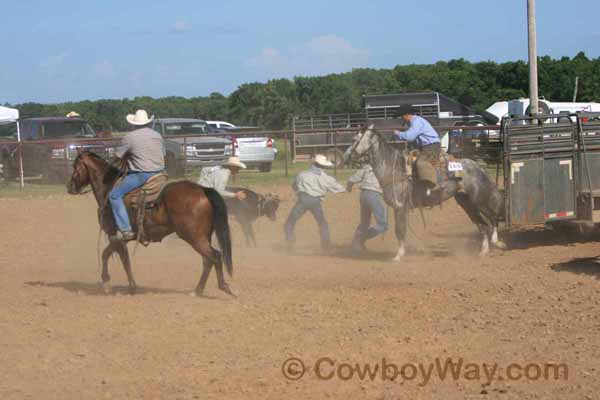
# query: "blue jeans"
[307,203]
[131,182]
[371,203]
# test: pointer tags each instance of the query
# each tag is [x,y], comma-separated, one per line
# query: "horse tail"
[221,224]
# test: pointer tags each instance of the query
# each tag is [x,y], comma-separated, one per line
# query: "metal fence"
[332,141]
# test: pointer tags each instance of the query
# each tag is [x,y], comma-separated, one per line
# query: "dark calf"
[254,206]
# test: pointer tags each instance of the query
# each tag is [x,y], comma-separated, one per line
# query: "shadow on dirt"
[95,289]
[581,266]
[542,237]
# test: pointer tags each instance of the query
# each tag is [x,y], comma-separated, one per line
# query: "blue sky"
[54,51]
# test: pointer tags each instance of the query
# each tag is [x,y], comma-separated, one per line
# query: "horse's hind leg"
[210,256]
[124,254]
[220,276]
[206,267]
[400,217]
[476,217]
[106,253]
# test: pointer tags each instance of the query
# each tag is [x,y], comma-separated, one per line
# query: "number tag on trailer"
[455,166]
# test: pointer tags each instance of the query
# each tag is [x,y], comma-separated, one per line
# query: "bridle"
[75,164]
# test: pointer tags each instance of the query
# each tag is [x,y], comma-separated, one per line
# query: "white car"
[254,151]
[220,124]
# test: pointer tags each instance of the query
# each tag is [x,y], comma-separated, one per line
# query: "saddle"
[142,200]
[438,171]
[148,193]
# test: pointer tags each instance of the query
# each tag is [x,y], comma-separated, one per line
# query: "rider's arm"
[221,179]
[412,133]
[356,178]
[122,148]
[332,185]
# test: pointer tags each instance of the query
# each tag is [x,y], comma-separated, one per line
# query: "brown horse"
[183,207]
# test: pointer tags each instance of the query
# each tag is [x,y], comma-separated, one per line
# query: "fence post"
[335,154]
[285,150]
[185,157]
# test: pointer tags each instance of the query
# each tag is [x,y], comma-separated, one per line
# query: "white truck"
[254,151]
[520,107]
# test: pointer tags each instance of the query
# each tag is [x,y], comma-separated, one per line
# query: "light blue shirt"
[420,131]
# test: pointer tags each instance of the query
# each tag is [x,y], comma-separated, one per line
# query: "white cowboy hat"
[322,161]
[235,162]
[73,114]
[139,118]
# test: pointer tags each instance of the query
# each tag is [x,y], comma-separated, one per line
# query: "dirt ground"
[62,338]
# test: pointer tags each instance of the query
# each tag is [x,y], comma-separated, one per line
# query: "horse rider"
[217,177]
[371,203]
[310,187]
[144,150]
[426,138]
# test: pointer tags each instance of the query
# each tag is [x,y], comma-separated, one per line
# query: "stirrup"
[122,237]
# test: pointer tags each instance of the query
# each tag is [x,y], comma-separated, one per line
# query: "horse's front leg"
[400,217]
[106,253]
[126,261]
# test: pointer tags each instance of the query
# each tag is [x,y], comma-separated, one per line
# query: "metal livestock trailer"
[551,166]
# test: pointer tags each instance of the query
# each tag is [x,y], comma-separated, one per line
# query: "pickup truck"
[256,151]
[189,146]
[48,147]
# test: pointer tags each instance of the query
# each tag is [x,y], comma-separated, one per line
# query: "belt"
[145,172]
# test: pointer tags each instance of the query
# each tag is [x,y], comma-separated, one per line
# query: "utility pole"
[533,74]
[576,87]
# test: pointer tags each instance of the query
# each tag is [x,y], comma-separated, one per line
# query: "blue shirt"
[420,131]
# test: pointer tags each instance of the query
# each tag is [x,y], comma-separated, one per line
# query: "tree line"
[272,104]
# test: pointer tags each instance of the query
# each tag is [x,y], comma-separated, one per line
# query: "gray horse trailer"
[550,169]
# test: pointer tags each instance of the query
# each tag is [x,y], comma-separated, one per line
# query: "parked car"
[220,124]
[49,147]
[254,151]
[189,145]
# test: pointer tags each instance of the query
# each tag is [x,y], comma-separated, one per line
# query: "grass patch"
[13,190]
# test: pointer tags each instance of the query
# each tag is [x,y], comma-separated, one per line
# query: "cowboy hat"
[322,161]
[235,162]
[73,114]
[139,118]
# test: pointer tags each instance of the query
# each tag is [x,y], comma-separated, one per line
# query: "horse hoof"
[132,290]
[195,294]
[106,288]
[500,245]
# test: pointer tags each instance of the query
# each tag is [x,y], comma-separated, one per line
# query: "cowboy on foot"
[310,187]
[218,177]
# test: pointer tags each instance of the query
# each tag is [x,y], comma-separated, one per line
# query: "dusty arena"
[531,307]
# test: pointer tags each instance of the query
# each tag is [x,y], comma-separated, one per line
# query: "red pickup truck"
[48,146]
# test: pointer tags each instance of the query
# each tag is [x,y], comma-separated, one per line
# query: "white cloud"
[104,69]
[320,55]
[180,26]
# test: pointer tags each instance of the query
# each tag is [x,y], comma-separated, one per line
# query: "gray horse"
[475,193]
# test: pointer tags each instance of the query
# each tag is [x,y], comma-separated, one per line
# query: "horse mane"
[111,172]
